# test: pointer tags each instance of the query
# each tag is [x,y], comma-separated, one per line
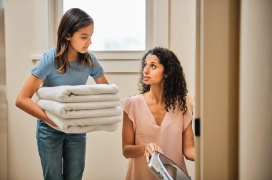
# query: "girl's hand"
[51,123]
[149,150]
[48,121]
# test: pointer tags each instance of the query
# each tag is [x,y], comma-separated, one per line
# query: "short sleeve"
[97,70]
[127,104]
[189,114]
[45,65]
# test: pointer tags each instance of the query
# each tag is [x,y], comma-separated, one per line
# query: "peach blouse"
[168,135]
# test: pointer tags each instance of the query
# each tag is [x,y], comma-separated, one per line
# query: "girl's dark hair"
[71,22]
[175,90]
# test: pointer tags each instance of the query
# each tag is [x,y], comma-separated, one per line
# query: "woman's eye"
[153,66]
[83,37]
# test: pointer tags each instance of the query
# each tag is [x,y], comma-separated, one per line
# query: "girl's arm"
[25,102]
[188,144]
[130,150]
[101,80]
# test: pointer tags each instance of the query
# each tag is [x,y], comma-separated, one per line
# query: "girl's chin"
[83,51]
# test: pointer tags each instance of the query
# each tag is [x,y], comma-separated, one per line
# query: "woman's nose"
[146,71]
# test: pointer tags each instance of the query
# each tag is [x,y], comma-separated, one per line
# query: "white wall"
[104,155]
[255,159]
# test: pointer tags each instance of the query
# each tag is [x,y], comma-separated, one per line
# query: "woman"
[69,63]
[160,116]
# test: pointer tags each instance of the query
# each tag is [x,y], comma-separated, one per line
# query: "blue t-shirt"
[76,74]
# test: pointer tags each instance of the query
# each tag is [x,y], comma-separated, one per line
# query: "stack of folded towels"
[82,108]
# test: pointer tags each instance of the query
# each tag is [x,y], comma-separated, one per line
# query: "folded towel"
[61,109]
[85,129]
[65,124]
[112,111]
[63,93]
[86,98]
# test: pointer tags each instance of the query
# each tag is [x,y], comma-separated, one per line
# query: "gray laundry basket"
[164,168]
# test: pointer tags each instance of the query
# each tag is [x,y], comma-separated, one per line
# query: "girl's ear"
[68,37]
[165,75]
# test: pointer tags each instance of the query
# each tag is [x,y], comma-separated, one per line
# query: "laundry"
[85,129]
[64,124]
[80,93]
[84,98]
[82,108]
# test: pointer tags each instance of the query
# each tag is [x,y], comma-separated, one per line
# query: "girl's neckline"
[73,61]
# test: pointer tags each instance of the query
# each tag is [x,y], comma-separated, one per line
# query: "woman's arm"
[188,144]
[25,102]
[130,150]
[101,80]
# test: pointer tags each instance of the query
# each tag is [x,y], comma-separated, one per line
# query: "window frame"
[157,21]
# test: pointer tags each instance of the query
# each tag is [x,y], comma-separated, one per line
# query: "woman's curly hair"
[175,90]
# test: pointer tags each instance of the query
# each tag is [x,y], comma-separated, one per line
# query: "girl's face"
[153,72]
[81,39]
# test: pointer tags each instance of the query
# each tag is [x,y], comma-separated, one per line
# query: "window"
[120,25]
[152,31]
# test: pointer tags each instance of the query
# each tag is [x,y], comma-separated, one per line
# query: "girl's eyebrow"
[85,34]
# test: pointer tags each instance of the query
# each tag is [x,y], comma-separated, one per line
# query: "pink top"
[168,135]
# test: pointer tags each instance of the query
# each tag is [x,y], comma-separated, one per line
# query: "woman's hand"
[149,150]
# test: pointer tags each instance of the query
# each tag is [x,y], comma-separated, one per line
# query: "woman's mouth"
[146,78]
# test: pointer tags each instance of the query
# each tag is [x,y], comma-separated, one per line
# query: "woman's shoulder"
[132,99]
[190,102]
[131,103]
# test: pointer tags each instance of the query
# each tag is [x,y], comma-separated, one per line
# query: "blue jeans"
[62,155]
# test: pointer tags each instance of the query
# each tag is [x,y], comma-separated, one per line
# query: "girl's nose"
[89,41]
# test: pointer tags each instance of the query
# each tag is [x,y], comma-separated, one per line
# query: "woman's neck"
[155,94]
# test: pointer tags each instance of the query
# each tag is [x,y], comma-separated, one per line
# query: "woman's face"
[81,39]
[153,72]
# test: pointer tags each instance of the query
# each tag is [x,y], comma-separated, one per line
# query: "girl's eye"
[153,66]
[84,37]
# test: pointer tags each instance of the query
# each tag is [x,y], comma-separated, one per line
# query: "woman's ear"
[165,75]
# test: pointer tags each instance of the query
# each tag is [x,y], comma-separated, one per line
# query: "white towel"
[112,111]
[62,109]
[86,98]
[71,93]
[85,129]
[64,124]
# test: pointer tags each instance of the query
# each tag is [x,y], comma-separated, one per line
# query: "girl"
[161,116]
[69,63]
